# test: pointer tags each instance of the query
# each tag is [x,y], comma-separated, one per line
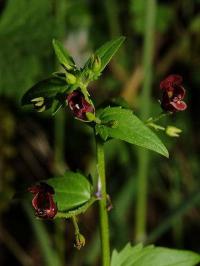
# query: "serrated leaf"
[128,127]
[153,256]
[71,190]
[47,88]
[63,56]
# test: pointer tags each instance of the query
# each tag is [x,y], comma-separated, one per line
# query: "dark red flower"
[173,94]
[78,105]
[43,202]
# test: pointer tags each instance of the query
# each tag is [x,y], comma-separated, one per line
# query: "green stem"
[59,169]
[104,226]
[155,126]
[143,156]
[76,228]
[157,118]
[141,205]
[59,132]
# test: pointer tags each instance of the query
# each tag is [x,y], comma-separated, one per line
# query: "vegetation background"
[37,146]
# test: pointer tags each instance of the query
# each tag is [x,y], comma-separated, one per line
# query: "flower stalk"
[104,225]
[79,238]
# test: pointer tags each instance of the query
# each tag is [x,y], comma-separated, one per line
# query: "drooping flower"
[43,202]
[173,94]
[79,106]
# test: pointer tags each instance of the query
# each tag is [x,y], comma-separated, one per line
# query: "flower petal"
[43,202]
[179,106]
[179,92]
[35,201]
[171,81]
[79,105]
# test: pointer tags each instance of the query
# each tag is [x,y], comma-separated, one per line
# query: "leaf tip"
[54,42]
[123,38]
[165,153]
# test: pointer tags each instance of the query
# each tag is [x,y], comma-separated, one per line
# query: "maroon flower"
[42,201]
[79,106]
[173,94]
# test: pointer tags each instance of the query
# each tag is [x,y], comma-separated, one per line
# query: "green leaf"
[153,256]
[104,55]
[63,56]
[107,51]
[71,190]
[123,124]
[47,88]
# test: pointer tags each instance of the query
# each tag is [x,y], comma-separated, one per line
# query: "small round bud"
[79,241]
[70,78]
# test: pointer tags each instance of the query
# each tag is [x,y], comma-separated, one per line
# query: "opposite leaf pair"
[66,87]
[112,122]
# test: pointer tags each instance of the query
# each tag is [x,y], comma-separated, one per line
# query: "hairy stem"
[104,226]
[143,156]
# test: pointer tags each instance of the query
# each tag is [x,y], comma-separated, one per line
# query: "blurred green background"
[37,146]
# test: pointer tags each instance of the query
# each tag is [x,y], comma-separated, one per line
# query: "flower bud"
[79,241]
[95,63]
[70,78]
[172,131]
